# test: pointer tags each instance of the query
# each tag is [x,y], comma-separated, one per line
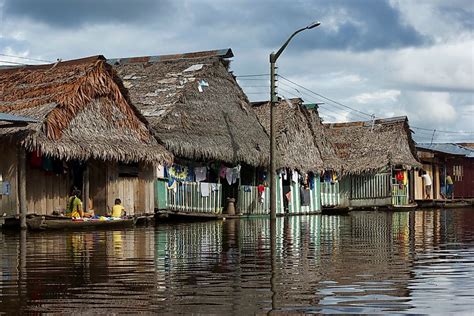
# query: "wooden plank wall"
[45,191]
[98,187]
[9,171]
[136,193]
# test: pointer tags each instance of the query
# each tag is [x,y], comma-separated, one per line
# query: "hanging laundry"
[333,177]
[247,188]
[200,173]
[327,176]
[36,159]
[214,187]
[311,180]
[180,173]
[229,175]
[173,186]
[294,176]
[160,172]
[223,171]
[288,196]
[205,189]
[304,196]
[261,193]
[399,176]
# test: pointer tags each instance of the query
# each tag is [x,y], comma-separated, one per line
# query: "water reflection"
[366,262]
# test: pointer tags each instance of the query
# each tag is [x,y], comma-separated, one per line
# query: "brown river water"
[419,262]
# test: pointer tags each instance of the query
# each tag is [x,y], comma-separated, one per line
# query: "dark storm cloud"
[362,25]
[74,13]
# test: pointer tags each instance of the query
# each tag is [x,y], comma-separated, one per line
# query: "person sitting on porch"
[117,209]
[427,180]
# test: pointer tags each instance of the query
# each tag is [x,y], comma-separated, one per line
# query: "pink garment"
[223,172]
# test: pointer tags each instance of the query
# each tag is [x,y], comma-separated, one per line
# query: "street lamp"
[273,100]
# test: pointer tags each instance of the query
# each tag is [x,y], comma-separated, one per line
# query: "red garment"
[399,176]
[36,161]
[261,189]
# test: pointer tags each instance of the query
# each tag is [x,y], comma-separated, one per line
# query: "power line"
[257,75]
[12,62]
[27,58]
[323,106]
[322,96]
[438,131]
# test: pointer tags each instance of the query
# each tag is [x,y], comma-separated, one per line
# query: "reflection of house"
[198,111]
[85,134]
[439,160]
[303,153]
[379,156]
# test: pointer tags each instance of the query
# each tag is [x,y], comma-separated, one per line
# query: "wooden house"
[84,133]
[198,111]
[304,153]
[440,160]
[379,159]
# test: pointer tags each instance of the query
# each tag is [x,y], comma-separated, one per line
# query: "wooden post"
[85,188]
[22,186]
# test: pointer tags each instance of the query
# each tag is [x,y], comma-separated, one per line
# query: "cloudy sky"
[387,58]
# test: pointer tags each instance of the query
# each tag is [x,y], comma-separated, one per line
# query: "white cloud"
[380,97]
[429,108]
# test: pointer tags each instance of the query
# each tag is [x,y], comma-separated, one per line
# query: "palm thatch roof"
[195,106]
[82,112]
[301,142]
[371,146]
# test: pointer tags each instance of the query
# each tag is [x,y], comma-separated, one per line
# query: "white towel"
[205,189]
[201,173]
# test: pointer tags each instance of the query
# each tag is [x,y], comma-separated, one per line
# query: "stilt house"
[84,132]
[198,111]
[304,153]
[440,160]
[379,159]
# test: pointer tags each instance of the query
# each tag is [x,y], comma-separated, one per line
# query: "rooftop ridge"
[221,53]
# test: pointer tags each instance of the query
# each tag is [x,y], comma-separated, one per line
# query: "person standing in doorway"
[427,181]
[449,187]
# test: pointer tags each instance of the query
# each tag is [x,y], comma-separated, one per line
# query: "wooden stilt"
[22,186]
[85,188]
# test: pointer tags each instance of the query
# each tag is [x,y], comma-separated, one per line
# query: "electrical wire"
[26,58]
[12,62]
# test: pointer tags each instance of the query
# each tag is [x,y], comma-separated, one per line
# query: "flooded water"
[364,262]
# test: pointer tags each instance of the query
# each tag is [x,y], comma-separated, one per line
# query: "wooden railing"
[330,194]
[249,202]
[399,194]
[370,186]
[188,198]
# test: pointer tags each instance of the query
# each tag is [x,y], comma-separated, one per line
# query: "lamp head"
[313,25]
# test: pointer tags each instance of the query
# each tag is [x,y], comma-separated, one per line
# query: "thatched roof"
[371,146]
[301,142]
[215,124]
[82,112]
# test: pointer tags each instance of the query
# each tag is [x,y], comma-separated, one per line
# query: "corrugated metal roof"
[222,53]
[16,118]
[448,148]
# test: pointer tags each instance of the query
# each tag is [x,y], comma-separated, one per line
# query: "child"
[118,209]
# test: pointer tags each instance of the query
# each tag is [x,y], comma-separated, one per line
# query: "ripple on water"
[367,262]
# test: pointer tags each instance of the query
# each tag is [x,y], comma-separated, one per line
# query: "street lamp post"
[273,100]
